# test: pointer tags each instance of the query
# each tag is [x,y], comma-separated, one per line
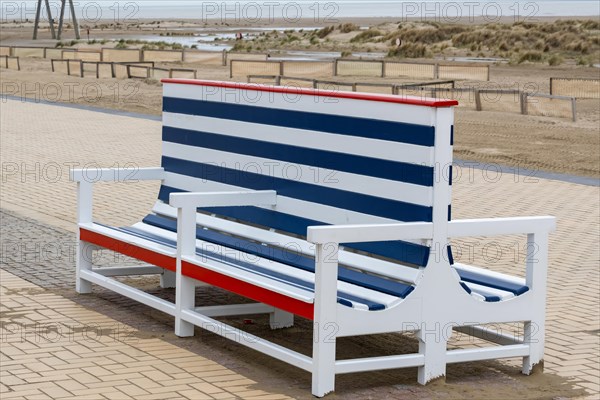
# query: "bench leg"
[185,298]
[281,319]
[323,374]
[534,336]
[83,262]
[432,344]
[325,325]
[167,279]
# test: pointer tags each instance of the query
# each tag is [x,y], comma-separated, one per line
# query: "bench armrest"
[501,226]
[186,204]
[133,174]
[223,199]
[86,177]
[369,232]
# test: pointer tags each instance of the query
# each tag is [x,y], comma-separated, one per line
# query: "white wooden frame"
[437,305]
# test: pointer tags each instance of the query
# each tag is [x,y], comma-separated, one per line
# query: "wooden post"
[436,71]
[224,57]
[551,84]
[335,67]
[281,67]
[354,87]
[278,80]
[524,100]
[478,100]
[383,64]
[574,108]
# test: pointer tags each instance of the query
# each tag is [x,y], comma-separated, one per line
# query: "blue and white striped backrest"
[333,158]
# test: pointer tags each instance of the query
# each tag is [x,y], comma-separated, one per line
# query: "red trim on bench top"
[248,290]
[228,283]
[416,101]
[129,249]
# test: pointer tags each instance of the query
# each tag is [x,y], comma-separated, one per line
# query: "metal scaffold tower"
[55,35]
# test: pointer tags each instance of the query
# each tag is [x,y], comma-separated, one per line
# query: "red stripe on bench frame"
[128,249]
[416,101]
[228,283]
[248,290]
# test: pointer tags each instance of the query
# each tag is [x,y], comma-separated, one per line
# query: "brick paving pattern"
[39,142]
[53,348]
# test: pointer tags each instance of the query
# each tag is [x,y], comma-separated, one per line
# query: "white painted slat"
[412,114]
[384,188]
[128,291]
[249,340]
[125,174]
[370,264]
[376,148]
[492,274]
[477,354]
[501,226]
[379,363]
[223,199]
[126,238]
[488,291]
[369,232]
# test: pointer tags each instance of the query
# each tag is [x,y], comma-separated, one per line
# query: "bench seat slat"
[407,252]
[296,260]
[168,236]
[491,279]
[368,264]
[345,298]
[490,294]
[265,273]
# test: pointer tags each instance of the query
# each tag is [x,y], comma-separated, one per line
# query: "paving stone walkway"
[40,142]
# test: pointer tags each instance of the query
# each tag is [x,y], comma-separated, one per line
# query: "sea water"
[321,12]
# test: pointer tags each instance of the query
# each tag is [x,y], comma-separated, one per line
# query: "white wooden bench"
[322,205]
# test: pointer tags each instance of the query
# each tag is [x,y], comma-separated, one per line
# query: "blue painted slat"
[393,288]
[358,202]
[352,126]
[491,282]
[369,166]
[404,252]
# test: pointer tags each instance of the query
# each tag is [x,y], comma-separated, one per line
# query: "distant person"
[88,34]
